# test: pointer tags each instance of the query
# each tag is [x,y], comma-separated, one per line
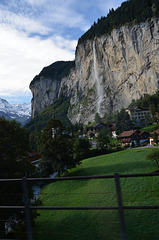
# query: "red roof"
[127,133]
[157,131]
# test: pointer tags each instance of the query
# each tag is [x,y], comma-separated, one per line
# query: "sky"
[36,33]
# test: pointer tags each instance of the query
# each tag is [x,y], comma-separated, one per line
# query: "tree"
[154,156]
[123,121]
[13,164]
[103,138]
[81,148]
[56,148]
[152,109]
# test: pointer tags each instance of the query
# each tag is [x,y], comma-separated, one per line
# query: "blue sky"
[36,33]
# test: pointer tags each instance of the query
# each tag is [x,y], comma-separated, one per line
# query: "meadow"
[101,224]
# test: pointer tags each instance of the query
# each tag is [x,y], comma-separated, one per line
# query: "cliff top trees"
[132,12]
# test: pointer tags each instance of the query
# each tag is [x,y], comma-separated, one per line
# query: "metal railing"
[120,207]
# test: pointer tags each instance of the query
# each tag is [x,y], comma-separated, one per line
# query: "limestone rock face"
[109,72]
[45,91]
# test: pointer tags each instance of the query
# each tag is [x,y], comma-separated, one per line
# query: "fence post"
[27,209]
[120,207]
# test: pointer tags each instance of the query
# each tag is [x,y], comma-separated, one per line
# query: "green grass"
[102,224]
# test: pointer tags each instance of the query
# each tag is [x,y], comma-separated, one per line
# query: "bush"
[154,156]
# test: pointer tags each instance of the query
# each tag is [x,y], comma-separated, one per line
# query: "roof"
[157,131]
[143,132]
[127,133]
[97,125]
[138,108]
[34,154]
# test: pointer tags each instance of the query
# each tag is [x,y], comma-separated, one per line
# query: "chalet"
[151,137]
[133,137]
[95,129]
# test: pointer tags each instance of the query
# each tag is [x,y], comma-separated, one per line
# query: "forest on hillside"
[131,12]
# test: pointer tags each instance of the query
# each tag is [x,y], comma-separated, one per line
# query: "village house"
[95,129]
[135,137]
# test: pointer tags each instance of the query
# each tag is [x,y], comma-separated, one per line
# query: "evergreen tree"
[123,122]
[131,12]
[13,164]
[103,138]
[81,148]
[56,148]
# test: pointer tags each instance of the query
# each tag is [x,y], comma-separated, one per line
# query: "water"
[97,80]
[37,187]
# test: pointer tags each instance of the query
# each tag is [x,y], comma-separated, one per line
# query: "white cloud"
[36,2]
[22,23]
[63,13]
[22,58]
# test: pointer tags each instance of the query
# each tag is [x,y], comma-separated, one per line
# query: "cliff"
[109,72]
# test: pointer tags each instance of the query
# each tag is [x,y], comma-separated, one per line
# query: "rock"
[109,72]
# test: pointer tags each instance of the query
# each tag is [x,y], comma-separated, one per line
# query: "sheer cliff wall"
[109,72]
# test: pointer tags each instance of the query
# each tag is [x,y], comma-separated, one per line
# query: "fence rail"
[27,207]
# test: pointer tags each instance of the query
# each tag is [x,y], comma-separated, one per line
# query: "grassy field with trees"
[102,224]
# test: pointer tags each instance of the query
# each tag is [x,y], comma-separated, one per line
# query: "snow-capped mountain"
[18,112]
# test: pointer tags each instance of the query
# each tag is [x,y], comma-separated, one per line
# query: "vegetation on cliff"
[58,109]
[131,12]
[55,71]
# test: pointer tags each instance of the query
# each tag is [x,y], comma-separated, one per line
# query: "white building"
[139,113]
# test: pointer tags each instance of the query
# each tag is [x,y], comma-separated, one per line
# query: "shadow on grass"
[79,225]
[142,224]
[127,167]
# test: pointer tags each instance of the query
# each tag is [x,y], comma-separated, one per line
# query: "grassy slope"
[101,225]
[151,128]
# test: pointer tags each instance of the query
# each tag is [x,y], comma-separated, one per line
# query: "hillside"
[95,225]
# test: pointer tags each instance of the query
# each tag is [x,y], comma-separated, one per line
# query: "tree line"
[131,12]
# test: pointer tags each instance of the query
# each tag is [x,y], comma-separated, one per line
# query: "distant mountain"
[19,112]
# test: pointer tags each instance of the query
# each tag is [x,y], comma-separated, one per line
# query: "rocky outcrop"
[109,72]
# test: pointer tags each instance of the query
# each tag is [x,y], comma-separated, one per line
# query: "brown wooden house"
[133,137]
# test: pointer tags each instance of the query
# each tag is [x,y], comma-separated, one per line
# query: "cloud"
[36,33]
[22,58]
[22,23]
